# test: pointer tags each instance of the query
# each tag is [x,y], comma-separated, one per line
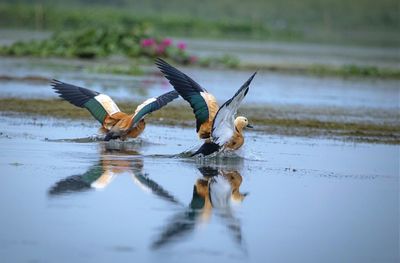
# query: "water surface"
[304,200]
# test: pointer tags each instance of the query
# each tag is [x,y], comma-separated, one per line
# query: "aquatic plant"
[101,42]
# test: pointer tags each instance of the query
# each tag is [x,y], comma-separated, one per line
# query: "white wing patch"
[104,180]
[220,192]
[146,102]
[108,104]
[224,127]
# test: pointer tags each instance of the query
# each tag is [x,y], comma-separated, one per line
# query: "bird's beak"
[249,126]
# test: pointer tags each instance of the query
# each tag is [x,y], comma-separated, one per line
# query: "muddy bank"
[279,121]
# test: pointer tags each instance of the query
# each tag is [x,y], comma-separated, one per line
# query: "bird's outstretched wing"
[223,126]
[99,105]
[151,105]
[77,183]
[147,183]
[204,104]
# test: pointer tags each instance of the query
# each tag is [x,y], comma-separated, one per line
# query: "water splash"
[94,138]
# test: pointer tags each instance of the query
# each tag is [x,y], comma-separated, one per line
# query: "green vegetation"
[97,43]
[354,70]
[137,29]
[59,17]
[180,115]
[226,60]
[136,42]
[360,21]
[326,70]
[101,42]
[121,69]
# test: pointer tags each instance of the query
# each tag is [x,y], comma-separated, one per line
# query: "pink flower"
[147,42]
[181,46]
[166,42]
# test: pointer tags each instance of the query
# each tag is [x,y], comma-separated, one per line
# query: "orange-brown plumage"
[137,130]
[112,120]
[122,122]
[236,141]
[212,105]
[235,180]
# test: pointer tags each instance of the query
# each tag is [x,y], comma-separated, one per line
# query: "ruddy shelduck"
[217,125]
[115,123]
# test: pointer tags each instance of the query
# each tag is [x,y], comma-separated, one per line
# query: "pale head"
[242,122]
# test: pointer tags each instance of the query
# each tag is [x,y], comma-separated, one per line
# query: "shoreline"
[180,115]
[126,67]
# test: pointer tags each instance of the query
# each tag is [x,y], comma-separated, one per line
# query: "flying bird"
[115,123]
[217,125]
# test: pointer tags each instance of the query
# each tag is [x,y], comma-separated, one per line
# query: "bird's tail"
[111,136]
[207,148]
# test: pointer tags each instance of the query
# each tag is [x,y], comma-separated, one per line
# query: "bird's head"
[242,122]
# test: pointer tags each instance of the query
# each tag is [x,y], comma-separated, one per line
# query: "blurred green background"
[367,22]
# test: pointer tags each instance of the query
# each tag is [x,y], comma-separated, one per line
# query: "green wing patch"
[153,104]
[200,109]
[96,109]
[145,110]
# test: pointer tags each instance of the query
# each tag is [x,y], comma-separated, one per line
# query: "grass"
[181,115]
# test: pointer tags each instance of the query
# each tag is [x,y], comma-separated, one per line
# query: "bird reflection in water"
[114,161]
[213,193]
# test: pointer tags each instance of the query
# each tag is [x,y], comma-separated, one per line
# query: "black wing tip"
[167,97]
[244,87]
[167,69]
[75,95]
[58,86]
[179,80]
[160,61]
[55,83]
[172,93]
[247,83]
[162,64]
